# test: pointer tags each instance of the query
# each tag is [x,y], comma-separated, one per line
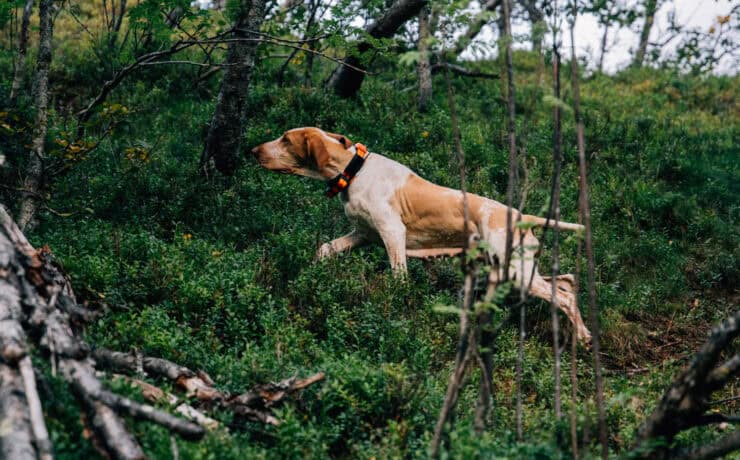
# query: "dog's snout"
[256,151]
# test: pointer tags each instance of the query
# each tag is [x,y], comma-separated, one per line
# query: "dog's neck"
[338,161]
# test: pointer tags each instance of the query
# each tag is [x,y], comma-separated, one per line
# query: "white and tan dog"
[411,216]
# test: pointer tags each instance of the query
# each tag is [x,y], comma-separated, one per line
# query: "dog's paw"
[324,251]
[585,339]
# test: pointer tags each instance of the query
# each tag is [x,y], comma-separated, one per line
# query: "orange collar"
[341,182]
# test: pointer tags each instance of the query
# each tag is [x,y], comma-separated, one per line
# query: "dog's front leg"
[393,234]
[344,243]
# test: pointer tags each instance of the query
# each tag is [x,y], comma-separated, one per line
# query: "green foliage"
[220,274]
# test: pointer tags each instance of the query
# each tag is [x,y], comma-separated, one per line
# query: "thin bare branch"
[593,311]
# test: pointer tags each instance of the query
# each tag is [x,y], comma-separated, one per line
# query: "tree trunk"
[223,143]
[346,81]
[604,39]
[536,18]
[308,70]
[651,7]
[20,65]
[33,182]
[424,68]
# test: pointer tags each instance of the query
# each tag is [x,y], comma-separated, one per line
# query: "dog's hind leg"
[525,275]
[566,301]
[564,282]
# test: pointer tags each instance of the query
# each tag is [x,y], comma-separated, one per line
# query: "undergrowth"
[219,273]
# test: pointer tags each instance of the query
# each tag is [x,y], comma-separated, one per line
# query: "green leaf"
[446,309]
[409,58]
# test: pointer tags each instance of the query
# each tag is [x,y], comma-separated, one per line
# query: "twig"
[585,218]
[512,139]
[180,45]
[38,425]
[555,206]
[722,401]
[465,347]
[462,71]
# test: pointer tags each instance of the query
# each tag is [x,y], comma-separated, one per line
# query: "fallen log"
[39,311]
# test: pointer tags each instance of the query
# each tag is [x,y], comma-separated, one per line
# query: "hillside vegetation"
[219,273]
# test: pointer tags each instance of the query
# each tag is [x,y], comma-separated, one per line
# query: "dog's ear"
[344,140]
[316,151]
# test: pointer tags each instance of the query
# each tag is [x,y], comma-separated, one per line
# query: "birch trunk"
[424,68]
[20,66]
[651,7]
[32,184]
[223,143]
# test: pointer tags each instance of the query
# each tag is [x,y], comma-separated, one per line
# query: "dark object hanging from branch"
[38,310]
[347,79]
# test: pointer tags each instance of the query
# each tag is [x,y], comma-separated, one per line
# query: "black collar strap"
[342,180]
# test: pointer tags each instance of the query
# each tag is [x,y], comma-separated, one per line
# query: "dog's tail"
[542,222]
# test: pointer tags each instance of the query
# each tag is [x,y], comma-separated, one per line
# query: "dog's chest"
[359,213]
[367,200]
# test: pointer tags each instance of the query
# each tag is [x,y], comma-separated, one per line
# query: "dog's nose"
[256,151]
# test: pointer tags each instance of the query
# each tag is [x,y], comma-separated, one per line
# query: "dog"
[387,202]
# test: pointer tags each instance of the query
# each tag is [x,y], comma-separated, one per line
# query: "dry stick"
[461,362]
[38,425]
[155,395]
[512,139]
[464,348]
[574,346]
[511,128]
[574,351]
[16,440]
[255,404]
[520,351]
[558,141]
[593,311]
[574,388]
[487,338]
[522,315]
[574,338]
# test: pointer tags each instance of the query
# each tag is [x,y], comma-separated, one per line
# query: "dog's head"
[309,152]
